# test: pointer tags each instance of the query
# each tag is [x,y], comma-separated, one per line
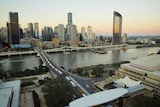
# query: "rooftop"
[127,82]
[5,95]
[11,86]
[98,98]
[150,63]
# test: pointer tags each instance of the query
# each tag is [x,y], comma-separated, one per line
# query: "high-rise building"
[13,29]
[73,32]
[117,28]
[70,18]
[90,34]
[55,33]
[36,30]
[27,34]
[3,34]
[67,34]
[61,31]
[13,17]
[21,33]
[124,38]
[83,33]
[47,33]
[30,29]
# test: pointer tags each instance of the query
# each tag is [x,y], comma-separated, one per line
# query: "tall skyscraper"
[117,28]
[47,33]
[36,30]
[13,29]
[30,29]
[61,31]
[70,18]
[71,29]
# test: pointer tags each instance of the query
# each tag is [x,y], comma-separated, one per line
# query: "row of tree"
[27,72]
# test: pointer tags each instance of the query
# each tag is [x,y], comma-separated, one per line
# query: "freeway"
[81,86]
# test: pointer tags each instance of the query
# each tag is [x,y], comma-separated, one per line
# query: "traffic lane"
[84,84]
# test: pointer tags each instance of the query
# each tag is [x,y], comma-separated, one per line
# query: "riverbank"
[98,70]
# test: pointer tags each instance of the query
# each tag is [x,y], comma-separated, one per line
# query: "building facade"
[117,28]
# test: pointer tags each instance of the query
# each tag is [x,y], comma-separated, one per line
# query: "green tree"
[144,101]
[58,93]
[97,71]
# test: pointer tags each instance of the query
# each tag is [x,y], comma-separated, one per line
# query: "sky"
[140,17]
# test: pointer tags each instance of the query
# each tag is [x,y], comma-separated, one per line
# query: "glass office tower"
[13,29]
[117,28]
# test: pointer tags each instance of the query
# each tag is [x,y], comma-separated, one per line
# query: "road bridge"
[76,82]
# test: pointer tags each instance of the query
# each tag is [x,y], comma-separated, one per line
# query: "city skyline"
[139,17]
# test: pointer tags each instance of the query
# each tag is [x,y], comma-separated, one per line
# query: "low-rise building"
[146,70]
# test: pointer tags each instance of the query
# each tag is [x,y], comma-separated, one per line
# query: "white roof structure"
[126,81]
[149,63]
[5,96]
[11,86]
[98,98]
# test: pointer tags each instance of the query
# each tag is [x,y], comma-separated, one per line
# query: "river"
[76,59]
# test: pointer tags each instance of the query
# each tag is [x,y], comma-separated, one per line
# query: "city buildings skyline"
[98,15]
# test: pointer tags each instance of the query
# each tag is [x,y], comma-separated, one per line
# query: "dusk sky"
[140,17]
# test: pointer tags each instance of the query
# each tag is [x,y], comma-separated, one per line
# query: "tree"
[58,93]
[144,101]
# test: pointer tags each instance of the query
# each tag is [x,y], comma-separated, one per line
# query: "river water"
[76,59]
